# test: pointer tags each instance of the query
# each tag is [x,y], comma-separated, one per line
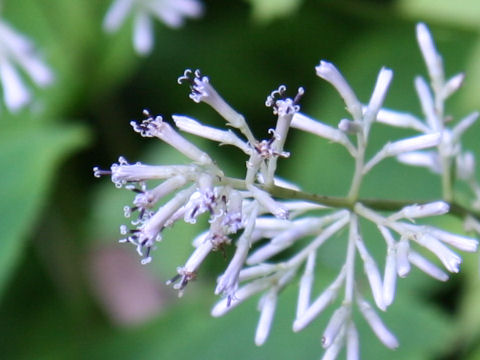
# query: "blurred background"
[70,291]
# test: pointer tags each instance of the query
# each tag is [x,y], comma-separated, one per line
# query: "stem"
[280,135]
[359,165]
[456,209]
[447,184]
[350,261]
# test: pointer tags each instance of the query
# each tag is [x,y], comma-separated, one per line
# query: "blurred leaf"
[472,80]
[268,10]
[469,313]
[475,355]
[85,60]
[29,156]
[188,331]
[464,14]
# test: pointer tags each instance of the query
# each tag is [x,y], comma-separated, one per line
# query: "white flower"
[170,12]
[403,146]
[335,325]
[381,87]
[156,127]
[432,58]
[267,305]
[303,122]
[330,73]
[203,91]
[377,325]
[423,210]
[17,53]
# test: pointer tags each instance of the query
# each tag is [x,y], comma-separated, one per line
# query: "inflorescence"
[171,12]
[256,215]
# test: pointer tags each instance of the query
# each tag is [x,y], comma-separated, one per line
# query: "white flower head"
[171,12]
[276,228]
[282,105]
[17,56]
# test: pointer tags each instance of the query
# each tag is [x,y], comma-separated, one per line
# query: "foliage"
[56,216]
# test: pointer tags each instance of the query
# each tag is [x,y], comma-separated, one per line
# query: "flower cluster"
[17,53]
[170,12]
[257,214]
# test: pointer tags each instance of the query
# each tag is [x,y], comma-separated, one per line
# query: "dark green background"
[54,214]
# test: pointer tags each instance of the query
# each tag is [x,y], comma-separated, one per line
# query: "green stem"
[447,185]
[359,165]
[278,192]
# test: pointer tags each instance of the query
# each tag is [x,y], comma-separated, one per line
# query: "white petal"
[381,87]
[330,73]
[426,100]
[432,59]
[399,119]
[403,146]
[268,304]
[460,242]
[390,277]
[373,274]
[320,303]
[377,325]
[266,201]
[423,210]
[337,321]
[353,352]
[303,122]
[156,127]
[403,264]
[143,33]
[191,126]
[243,293]
[428,159]
[305,286]
[15,93]
[449,258]
[116,14]
[40,73]
[452,85]
[426,266]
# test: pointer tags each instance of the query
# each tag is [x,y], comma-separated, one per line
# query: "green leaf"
[187,330]
[268,10]
[461,15]
[468,324]
[29,156]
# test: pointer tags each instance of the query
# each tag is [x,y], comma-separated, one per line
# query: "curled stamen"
[275,135]
[186,77]
[97,172]
[282,105]
[148,127]
[272,98]
[199,85]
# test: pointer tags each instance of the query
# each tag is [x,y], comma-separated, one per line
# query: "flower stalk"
[278,229]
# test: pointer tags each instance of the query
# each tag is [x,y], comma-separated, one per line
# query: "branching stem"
[456,209]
